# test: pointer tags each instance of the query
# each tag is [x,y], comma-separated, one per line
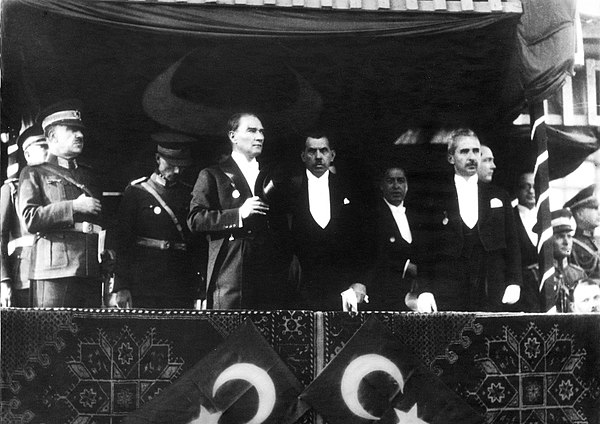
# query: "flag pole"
[539,136]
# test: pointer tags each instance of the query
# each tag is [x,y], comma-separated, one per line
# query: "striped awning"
[455,6]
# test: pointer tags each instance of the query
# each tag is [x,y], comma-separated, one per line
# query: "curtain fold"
[265,21]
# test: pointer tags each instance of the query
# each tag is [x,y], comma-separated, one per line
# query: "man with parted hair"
[470,257]
[230,205]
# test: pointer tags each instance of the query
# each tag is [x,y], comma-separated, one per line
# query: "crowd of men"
[247,238]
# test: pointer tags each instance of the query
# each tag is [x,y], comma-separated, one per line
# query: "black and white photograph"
[300,211]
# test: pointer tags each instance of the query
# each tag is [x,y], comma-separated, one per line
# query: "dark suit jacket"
[332,258]
[443,241]
[529,254]
[530,295]
[387,284]
[45,203]
[244,266]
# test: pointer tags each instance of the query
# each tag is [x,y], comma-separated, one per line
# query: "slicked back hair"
[234,122]
[455,135]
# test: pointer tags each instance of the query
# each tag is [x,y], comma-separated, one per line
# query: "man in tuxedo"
[471,259]
[525,218]
[245,265]
[326,221]
[394,268]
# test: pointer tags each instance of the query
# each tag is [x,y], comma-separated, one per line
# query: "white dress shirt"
[468,199]
[529,219]
[318,198]
[399,214]
[249,168]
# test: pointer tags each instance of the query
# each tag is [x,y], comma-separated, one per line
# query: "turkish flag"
[242,381]
[376,378]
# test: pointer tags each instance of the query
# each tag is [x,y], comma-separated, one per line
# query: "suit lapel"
[335,196]
[484,203]
[233,172]
[388,220]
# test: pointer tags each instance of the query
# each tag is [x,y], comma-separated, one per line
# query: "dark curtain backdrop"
[365,76]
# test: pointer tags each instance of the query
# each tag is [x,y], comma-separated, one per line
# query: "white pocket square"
[346,201]
[496,203]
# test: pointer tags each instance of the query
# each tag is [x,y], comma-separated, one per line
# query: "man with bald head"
[470,256]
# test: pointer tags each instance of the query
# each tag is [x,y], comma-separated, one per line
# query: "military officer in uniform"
[16,241]
[155,261]
[59,201]
[584,206]
[566,274]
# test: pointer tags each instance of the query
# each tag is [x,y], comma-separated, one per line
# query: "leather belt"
[87,227]
[23,241]
[160,244]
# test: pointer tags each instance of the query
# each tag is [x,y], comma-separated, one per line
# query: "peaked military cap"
[67,112]
[32,135]
[586,198]
[562,220]
[174,147]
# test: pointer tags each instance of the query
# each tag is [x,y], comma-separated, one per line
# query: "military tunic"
[16,245]
[563,282]
[155,261]
[66,242]
[585,253]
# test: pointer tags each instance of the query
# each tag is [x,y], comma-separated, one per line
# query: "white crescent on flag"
[261,381]
[356,371]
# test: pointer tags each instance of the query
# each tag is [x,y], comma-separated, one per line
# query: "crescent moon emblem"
[356,371]
[166,108]
[260,379]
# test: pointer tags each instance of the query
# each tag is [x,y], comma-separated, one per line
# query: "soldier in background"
[584,206]
[566,274]
[16,241]
[60,201]
[156,258]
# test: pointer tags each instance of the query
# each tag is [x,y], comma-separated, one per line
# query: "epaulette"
[138,181]
[533,266]
[11,180]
